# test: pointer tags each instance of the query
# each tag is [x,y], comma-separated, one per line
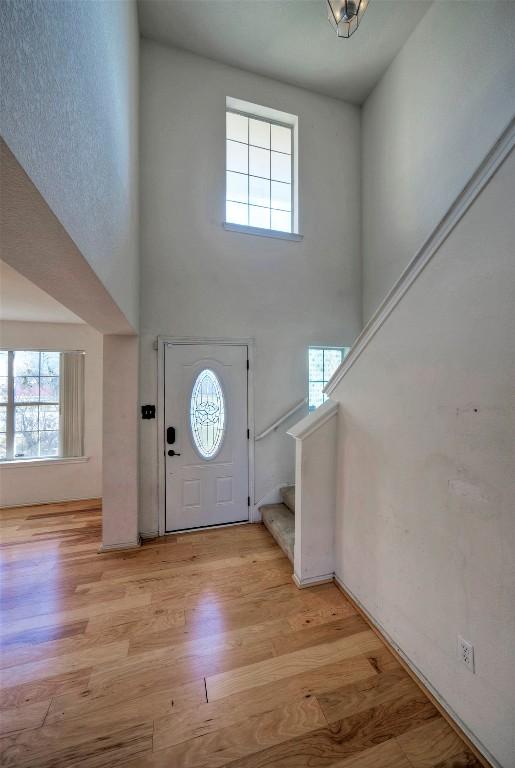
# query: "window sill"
[244,230]
[19,463]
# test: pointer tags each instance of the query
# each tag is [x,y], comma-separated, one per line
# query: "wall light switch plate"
[466,653]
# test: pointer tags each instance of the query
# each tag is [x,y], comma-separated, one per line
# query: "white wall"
[120,443]
[60,482]
[199,280]
[427,125]
[426,498]
[69,113]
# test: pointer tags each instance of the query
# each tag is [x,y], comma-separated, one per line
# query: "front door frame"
[162,342]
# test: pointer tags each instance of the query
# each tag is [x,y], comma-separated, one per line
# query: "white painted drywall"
[427,125]
[425,529]
[120,442]
[60,482]
[315,494]
[69,113]
[200,280]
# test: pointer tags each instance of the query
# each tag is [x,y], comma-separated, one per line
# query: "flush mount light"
[345,15]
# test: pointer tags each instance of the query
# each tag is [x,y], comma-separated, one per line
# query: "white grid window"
[259,173]
[323,362]
[29,404]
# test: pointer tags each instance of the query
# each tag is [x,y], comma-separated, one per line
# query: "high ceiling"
[288,40]
[23,301]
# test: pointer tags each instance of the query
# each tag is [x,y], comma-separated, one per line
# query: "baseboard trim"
[95,503]
[312,581]
[452,718]
[120,547]
[145,535]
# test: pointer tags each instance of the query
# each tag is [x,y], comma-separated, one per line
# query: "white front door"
[206,438]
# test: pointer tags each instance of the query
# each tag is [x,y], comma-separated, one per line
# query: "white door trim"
[162,342]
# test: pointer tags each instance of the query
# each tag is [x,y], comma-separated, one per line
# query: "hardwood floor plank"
[373,692]
[148,706]
[195,650]
[24,717]
[70,662]
[209,717]
[388,754]
[346,738]
[73,614]
[41,690]
[464,759]
[430,744]
[280,667]
[51,748]
[247,737]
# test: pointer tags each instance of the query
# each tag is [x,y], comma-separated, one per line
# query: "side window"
[322,362]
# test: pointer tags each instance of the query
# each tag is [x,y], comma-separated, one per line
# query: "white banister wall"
[315,495]
[424,527]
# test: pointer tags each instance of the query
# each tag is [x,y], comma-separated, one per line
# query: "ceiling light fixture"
[345,15]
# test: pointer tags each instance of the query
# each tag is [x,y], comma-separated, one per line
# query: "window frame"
[323,348]
[272,117]
[10,407]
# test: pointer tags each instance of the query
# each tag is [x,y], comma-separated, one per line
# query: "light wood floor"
[196,650]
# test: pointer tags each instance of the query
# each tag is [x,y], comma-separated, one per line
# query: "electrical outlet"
[466,653]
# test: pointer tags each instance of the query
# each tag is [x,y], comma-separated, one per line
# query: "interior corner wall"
[69,114]
[427,125]
[60,482]
[425,525]
[198,279]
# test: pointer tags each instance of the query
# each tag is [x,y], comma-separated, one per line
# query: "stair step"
[288,496]
[280,521]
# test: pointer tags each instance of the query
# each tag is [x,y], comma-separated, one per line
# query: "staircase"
[280,520]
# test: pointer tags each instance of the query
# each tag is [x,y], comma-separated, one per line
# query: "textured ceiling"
[289,40]
[23,301]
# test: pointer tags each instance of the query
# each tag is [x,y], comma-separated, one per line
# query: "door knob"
[173,453]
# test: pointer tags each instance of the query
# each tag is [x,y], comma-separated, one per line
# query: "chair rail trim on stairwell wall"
[477,182]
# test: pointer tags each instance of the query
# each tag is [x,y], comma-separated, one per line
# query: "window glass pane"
[316,396]
[48,417]
[3,446]
[3,363]
[26,418]
[207,414]
[332,359]
[26,389]
[281,167]
[237,187]
[259,133]
[49,443]
[237,127]
[26,445]
[237,158]
[259,191]
[3,389]
[3,418]
[281,221]
[49,389]
[236,213]
[281,139]
[26,364]
[259,162]
[259,217]
[281,195]
[50,363]
[316,365]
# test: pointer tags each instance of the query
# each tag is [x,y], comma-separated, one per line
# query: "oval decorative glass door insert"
[207,414]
